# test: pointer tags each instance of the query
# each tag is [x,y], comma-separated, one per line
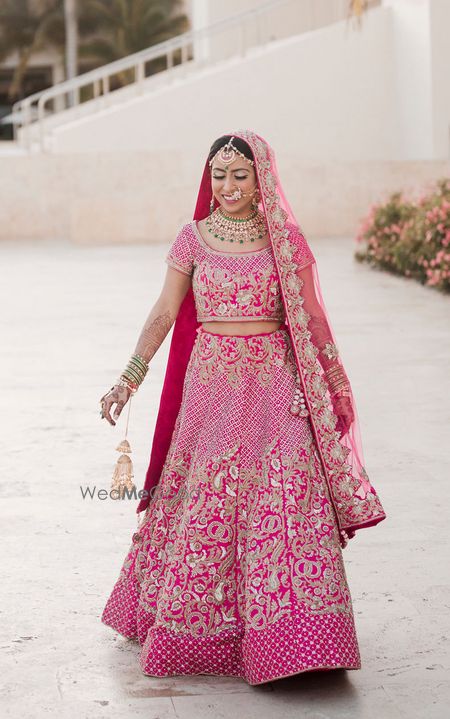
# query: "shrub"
[410,237]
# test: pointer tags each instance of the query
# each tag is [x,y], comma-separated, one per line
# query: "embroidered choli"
[228,286]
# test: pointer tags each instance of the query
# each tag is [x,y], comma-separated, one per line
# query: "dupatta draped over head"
[354,499]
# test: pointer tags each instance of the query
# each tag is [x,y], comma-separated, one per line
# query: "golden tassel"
[122,479]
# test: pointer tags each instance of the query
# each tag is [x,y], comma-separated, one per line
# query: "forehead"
[238,164]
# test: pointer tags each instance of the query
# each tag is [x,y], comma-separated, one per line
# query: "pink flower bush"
[410,238]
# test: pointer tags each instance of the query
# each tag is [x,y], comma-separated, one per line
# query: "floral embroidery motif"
[234,537]
[243,355]
[228,285]
[242,288]
[186,561]
[330,350]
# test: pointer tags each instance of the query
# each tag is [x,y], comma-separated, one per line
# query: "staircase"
[35,117]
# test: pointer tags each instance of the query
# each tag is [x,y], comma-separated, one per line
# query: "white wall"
[421,62]
[411,66]
[335,94]
[107,198]
[440,76]
[327,96]
[379,93]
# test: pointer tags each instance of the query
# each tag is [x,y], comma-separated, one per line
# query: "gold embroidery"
[243,289]
[241,355]
[330,350]
[354,499]
[185,564]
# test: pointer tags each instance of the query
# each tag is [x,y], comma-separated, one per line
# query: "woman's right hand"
[343,410]
[118,395]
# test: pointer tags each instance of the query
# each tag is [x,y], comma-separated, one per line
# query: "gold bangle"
[132,375]
[137,359]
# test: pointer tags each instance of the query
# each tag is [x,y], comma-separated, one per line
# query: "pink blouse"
[228,286]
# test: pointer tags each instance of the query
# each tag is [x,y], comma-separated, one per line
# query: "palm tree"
[111,29]
[24,29]
[71,25]
[127,26]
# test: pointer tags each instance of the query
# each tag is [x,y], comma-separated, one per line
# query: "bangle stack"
[337,380]
[134,373]
[343,392]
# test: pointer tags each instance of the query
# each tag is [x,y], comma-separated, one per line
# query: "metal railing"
[194,49]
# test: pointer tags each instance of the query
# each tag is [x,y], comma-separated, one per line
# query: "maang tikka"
[227,154]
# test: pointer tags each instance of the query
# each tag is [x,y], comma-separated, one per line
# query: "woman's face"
[238,179]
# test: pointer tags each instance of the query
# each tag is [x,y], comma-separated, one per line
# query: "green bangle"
[140,361]
[135,370]
[132,375]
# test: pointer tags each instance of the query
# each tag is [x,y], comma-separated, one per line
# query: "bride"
[256,480]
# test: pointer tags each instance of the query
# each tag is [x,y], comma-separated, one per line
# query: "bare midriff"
[252,327]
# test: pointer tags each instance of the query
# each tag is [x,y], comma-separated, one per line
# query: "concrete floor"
[70,318]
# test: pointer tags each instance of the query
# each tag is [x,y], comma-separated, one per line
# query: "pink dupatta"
[354,499]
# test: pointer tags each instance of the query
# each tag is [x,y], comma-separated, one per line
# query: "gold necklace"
[242,230]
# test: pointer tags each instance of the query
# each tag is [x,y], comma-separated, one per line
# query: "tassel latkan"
[122,480]
[298,406]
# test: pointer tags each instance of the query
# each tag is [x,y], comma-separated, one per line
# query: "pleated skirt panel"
[237,569]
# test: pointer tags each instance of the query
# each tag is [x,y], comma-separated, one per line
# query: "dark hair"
[238,142]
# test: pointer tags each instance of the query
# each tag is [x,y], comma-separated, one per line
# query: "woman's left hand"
[345,536]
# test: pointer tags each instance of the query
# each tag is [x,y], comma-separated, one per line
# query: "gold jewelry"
[227,154]
[134,373]
[241,230]
[254,194]
[337,379]
[211,205]
[298,405]
[256,199]
[122,479]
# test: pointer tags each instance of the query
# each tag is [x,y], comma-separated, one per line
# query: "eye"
[236,177]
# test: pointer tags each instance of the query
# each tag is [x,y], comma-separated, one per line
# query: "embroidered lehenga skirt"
[238,569]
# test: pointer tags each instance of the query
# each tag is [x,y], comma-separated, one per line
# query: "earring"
[211,205]
[255,200]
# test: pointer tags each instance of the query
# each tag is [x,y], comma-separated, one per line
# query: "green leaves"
[410,237]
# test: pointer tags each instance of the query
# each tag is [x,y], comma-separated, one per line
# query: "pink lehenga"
[254,480]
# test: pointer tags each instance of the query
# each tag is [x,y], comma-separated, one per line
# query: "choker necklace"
[242,230]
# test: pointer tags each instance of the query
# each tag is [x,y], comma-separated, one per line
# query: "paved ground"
[70,318]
